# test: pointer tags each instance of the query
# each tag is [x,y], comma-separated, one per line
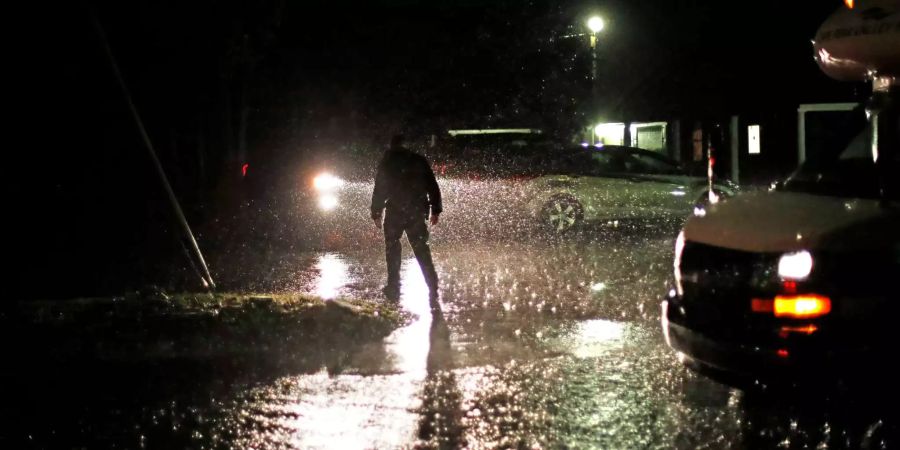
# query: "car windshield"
[494,156]
[608,161]
[644,162]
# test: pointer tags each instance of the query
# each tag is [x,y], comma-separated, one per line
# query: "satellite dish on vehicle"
[860,42]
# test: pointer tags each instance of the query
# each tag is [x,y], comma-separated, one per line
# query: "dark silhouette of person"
[408,195]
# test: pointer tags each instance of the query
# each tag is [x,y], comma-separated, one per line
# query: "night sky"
[362,66]
[223,83]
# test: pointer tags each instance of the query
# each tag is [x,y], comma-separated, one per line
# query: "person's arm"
[434,193]
[379,194]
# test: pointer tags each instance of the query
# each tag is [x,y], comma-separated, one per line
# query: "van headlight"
[795,266]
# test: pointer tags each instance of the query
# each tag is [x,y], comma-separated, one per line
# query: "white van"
[803,282]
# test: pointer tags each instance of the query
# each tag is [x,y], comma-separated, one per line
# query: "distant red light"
[244,169]
[782,353]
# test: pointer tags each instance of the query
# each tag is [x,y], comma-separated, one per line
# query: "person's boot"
[391,291]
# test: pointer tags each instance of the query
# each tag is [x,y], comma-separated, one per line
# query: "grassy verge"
[193,326]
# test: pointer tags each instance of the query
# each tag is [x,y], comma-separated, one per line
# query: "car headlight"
[327,186]
[325,182]
[795,266]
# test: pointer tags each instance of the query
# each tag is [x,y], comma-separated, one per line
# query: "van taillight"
[801,306]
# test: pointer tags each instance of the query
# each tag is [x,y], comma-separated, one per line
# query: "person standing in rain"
[408,196]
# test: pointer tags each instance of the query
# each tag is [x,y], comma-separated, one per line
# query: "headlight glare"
[327,182]
[795,266]
[327,202]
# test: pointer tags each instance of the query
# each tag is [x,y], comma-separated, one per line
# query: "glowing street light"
[595,24]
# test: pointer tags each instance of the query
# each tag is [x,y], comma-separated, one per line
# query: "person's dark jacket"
[405,184]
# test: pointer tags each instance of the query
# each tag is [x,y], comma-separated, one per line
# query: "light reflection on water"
[389,398]
[381,406]
[408,346]
[333,275]
[594,337]
[375,410]
[344,411]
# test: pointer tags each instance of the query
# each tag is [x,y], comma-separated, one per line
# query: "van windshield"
[850,171]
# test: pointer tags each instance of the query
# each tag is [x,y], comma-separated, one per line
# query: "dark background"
[220,84]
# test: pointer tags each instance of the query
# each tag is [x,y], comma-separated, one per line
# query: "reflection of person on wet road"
[407,192]
[440,425]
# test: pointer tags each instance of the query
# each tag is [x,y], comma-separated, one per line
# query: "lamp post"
[595,24]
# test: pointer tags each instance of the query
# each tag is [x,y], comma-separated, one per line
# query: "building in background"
[751,148]
[646,135]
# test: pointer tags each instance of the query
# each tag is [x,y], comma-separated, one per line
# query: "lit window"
[753,139]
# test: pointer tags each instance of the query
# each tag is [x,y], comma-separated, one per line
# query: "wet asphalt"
[536,343]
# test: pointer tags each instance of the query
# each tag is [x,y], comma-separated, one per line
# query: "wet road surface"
[536,343]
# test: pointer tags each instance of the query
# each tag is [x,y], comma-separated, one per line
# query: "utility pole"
[173,200]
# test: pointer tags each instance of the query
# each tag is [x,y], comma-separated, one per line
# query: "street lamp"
[595,24]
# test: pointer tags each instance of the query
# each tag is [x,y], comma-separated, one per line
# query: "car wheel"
[561,213]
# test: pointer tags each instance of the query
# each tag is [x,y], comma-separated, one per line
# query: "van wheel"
[561,213]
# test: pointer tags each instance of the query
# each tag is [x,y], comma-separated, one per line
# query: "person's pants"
[416,229]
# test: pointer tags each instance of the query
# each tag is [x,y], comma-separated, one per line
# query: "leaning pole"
[173,200]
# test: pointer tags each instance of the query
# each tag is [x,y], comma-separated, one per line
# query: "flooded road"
[534,344]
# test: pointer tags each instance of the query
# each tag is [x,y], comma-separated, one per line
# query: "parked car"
[556,187]
[594,183]
[798,283]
